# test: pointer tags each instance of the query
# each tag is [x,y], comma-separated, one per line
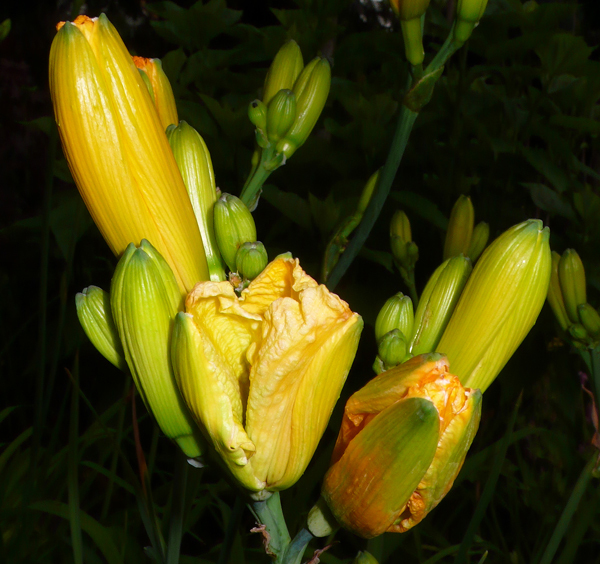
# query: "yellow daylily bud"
[262,372]
[396,313]
[195,165]
[251,260]
[117,149]
[144,300]
[284,70]
[571,274]
[468,14]
[234,226]
[589,319]
[404,250]
[479,239]
[160,89]
[311,90]
[555,297]
[437,303]
[460,228]
[499,305]
[409,12]
[392,348]
[409,430]
[93,311]
[280,115]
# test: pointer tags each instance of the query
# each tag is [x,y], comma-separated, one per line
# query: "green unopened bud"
[281,115]
[409,9]
[234,226]
[468,14]
[367,192]
[392,348]
[437,303]
[257,113]
[479,240]
[572,282]
[195,165]
[405,251]
[251,259]
[93,311]
[144,300]
[311,90]
[578,332]
[555,297]
[364,558]
[460,228]
[284,70]
[409,12]
[320,521]
[396,313]
[499,305]
[589,319]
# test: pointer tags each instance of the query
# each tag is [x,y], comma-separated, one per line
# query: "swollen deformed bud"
[311,90]
[571,274]
[460,228]
[555,297]
[284,70]
[93,311]
[234,226]
[396,313]
[251,260]
[194,163]
[589,319]
[468,14]
[145,299]
[392,348]
[479,239]
[257,114]
[280,115]
[409,12]
[437,303]
[405,251]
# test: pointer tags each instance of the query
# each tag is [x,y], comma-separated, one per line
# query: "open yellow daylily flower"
[261,373]
[117,148]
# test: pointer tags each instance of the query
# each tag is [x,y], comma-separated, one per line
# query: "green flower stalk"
[95,316]
[460,228]
[195,165]
[145,299]
[499,305]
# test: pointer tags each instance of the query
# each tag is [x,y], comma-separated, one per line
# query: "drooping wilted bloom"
[261,373]
[117,149]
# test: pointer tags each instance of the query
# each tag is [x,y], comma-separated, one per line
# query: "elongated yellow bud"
[460,228]
[160,89]
[396,313]
[499,305]
[93,311]
[571,274]
[284,70]
[405,251]
[479,239]
[468,14]
[195,165]
[555,297]
[144,301]
[437,303]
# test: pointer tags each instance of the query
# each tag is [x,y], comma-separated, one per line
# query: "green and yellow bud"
[284,70]
[311,90]
[579,333]
[280,115]
[555,297]
[95,316]
[468,14]
[479,239]
[589,319]
[234,226]
[460,228]
[144,299]
[367,193]
[437,303]
[364,557]
[159,88]
[257,114]
[251,260]
[320,522]
[392,348]
[117,150]
[409,12]
[571,274]
[409,430]
[261,372]
[499,305]
[396,313]
[195,165]
[405,251]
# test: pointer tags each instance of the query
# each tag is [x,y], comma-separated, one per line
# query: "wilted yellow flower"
[261,373]
[117,148]
[403,440]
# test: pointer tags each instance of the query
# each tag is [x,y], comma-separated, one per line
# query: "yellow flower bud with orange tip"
[460,228]
[499,305]
[117,149]
[159,88]
[261,372]
[403,440]
[409,12]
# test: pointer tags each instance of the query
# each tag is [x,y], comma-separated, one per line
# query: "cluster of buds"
[568,299]
[463,236]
